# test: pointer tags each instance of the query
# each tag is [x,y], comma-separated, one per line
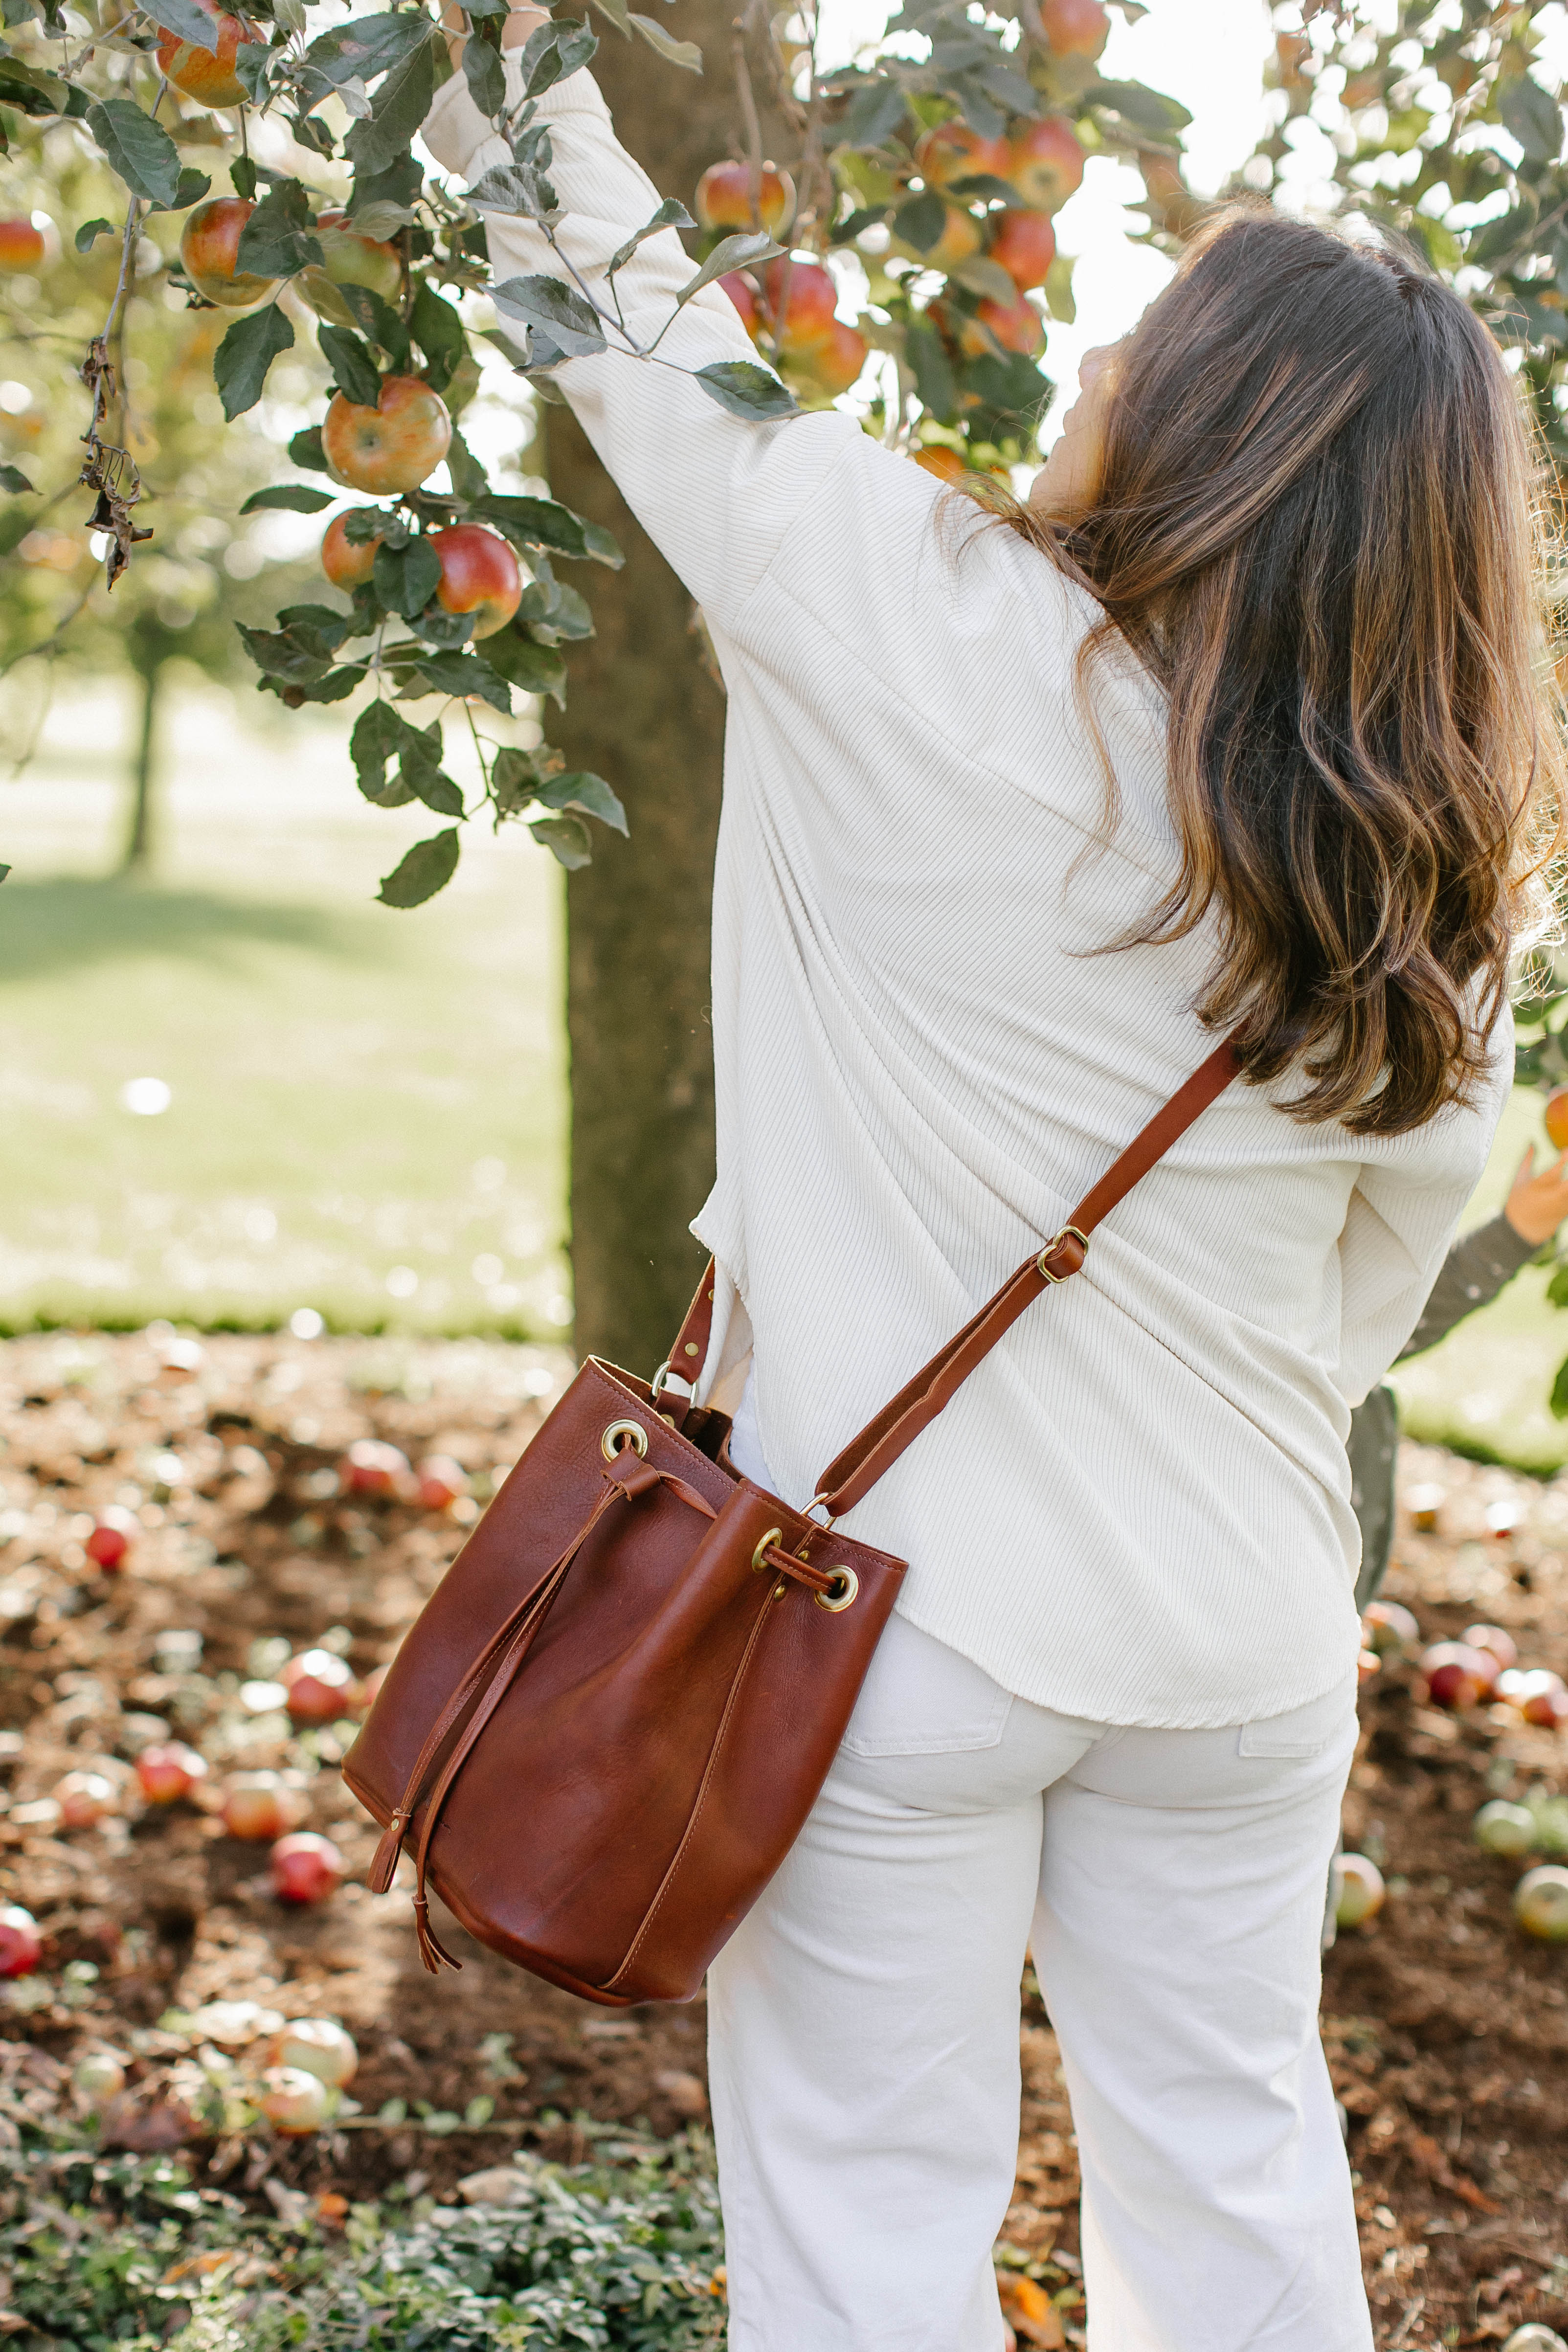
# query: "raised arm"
[716,493]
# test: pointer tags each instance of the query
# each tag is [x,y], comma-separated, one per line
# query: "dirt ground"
[1447,2029]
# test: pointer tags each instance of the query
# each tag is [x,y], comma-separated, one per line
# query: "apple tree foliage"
[952,373]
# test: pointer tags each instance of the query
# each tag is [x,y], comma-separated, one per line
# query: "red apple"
[207,75]
[834,363]
[1540,1903]
[21,1946]
[1494,1641]
[1537,1693]
[744,295]
[944,462]
[209,250]
[392,446]
[1075,28]
[1457,1677]
[1045,163]
[960,237]
[1017,326]
[351,260]
[1389,1629]
[952,152]
[1358,1889]
[348,564]
[111,1538]
[321,1687]
[441,1481]
[1556,1111]
[1503,1828]
[315,2045]
[724,197]
[478,575]
[261,1806]
[97,2078]
[306,1867]
[168,1773]
[85,1799]
[1025,245]
[801,312]
[21,244]
[371,1467]
[293,2102]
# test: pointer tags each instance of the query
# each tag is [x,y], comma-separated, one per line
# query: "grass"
[367,1109]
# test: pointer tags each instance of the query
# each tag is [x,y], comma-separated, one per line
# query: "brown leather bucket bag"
[610,1721]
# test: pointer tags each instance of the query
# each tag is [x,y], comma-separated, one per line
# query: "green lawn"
[367,1109]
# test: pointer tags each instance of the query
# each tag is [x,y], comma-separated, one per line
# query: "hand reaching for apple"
[1537,1205]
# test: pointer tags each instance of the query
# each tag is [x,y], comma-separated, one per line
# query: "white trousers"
[863,2027]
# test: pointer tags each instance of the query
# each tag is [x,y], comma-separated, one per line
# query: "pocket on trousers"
[921,1698]
[1299,1731]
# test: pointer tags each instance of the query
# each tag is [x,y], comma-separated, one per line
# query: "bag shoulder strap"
[851,1476]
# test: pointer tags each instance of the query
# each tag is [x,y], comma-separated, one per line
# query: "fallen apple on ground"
[1358,1889]
[1537,1692]
[441,1481]
[85,1799]
[372,1467]
[169,1772]
[391,448]
[207,75]
[314,2045]
[111,1539]
[1504,1828]
[209,250]
[1389,1629]
[305,1867]
[261,1807]
[1457,1676]
[321,1687]
[21,1946]
[1540,1903]
[724,197]
[293,2102]
[1494,1641]
[97,2078]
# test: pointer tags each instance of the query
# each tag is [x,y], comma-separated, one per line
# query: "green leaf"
[1059,290]
[277,241]
[674,53]
[671,214]
[90,231]
[282,655]
[590,795]
[291,497]
[382,219]
[468,478]
[465,674]
[745,250]
[1491,242]
[253,67]
[363,524]
[980,275]
[241,361]
[354,373]
[616,10]
[1558,1397]
[746,390]
[429,867]
[434,626]
[921,222]
[242,175]
[366,47]
[931,370]
[531,668]
[378,736]
[1536,122]
[140,150]
[514,780]
[406,578]
[320,629]
[12,479]
[553,610]
[336,687]
[183,19]
[190,187]
[377,321]
[485,75]
[549,304]
[552,52]
[1557,1288]
[439,331]
[397,110]
[305,450]
[875,112]
[29,91]
[566,837]
[1150,110]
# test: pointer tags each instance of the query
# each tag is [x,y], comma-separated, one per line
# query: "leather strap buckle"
[1054,1245]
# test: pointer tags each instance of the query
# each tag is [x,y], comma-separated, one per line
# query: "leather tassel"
[432,1951]
[384,1864]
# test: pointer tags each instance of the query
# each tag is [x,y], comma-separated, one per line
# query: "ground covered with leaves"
[510,2166]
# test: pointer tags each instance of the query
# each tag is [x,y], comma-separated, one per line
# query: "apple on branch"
[209,251]
[952,152]
[348,564]
[802,301]
[207,75]
[21,244]
[1025,245]
[724,198]
[391,448]
[1045,163]
[1075,28]
[480,575]
[960,237]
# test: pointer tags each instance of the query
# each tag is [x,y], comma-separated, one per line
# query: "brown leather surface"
[607,1726]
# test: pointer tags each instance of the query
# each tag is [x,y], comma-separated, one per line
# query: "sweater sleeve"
[1476,1268]
[715,493]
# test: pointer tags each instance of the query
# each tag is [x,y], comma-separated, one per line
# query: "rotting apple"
[347,562]
[1045,163]
[21,244]
[207,75]
[952,152]
[724,198]
[305,1867]
[21,1946]
[319,1685]
[111,1538]
[209,252]
[1389,1629]
[261,1807]
[1457,1677]
[315,2045]
[1494,1641]
[85,1799]
[1075,28]
[391,448]
[372,1467]
[1540,1903]
[169,1772]
[1502,1827]
[1358,1889]
[802,301]
[480,574]
[1026,245]
[293,2101]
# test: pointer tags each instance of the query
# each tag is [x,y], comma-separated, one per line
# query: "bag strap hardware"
[1056,1242]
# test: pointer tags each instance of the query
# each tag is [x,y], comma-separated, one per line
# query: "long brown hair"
[1317,524]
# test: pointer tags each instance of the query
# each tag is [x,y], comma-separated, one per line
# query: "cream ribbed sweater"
[1138,1509]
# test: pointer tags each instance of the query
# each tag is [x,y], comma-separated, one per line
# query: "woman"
[1232,728]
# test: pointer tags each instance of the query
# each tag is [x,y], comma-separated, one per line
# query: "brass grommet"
[846,1586]
[759,1557]
[622,1433]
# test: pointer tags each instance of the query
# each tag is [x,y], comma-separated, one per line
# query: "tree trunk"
[138,837]
[645,713]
